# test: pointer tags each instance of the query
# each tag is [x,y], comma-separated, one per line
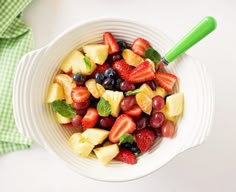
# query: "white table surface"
[209,167]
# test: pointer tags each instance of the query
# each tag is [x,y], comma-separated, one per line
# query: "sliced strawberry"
[135,111]
[109,40]
[166,80]
[122,68]
[143,72]
[140,45]
[100,69]
[144,139]
[126,156]
[90,119]
[80,94]
[123,124]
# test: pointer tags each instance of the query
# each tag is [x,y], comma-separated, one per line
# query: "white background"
[209,167]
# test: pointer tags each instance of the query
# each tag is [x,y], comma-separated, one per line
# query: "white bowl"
[35,118]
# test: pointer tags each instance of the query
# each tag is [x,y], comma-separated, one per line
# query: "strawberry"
[126,156]
[80,94]
[135,111]
[109,40]
[122,68]
[165,80]
[90,119]
[144,139]
[139,46]
[143,72]
[123,124]
[100,69]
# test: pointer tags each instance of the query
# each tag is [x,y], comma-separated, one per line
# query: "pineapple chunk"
[95,135]
[114,98]
[68,84]
[160,91]
[131,58]
[94,88]
[55,92]
[175,104]
[66,65]
[98,53]
[107,153]
[80,66]
[167,116]
[62,120]
[80,145]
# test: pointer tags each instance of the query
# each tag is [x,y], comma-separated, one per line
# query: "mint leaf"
[152,54]
[63,108]
[103,107]
[87,63]
[126,138]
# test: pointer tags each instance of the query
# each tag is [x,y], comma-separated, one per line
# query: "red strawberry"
[126,156]
[135,111]
[122,68]
[139,46]
[100,69]
[144,139]
[109,40]
[90,119]
[123,124]
[166,80]
[143,72]
[80,94]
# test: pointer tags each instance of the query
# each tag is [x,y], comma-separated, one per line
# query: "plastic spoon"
[202,29]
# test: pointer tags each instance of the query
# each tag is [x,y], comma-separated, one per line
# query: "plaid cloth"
[15,41]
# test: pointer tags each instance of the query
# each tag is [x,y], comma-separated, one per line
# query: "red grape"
[157,120]
[76,121]
[152,84]
[106,122]
[82,105]
[81,112]
[127,103]
[168,129]
[127,86]
[141,123]
[158,102]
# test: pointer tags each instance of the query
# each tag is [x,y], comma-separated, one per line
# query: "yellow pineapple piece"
[107,153]
[114,98]
[62,120]
[55,92]
[175,104]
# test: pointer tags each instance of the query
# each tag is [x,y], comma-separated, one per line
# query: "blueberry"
[78,77]
[108,83]
[126,145]
[110,73]
[99,77]
[134,149]
[122,45]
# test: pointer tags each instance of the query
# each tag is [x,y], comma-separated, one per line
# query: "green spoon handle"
[206,26]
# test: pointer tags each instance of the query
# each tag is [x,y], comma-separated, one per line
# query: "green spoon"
[202,29]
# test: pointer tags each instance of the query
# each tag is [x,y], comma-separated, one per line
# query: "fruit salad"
[116,99]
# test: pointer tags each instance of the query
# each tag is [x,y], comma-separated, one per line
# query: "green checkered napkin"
[15,41]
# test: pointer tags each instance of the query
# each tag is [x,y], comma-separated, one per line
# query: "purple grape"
[157,120]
